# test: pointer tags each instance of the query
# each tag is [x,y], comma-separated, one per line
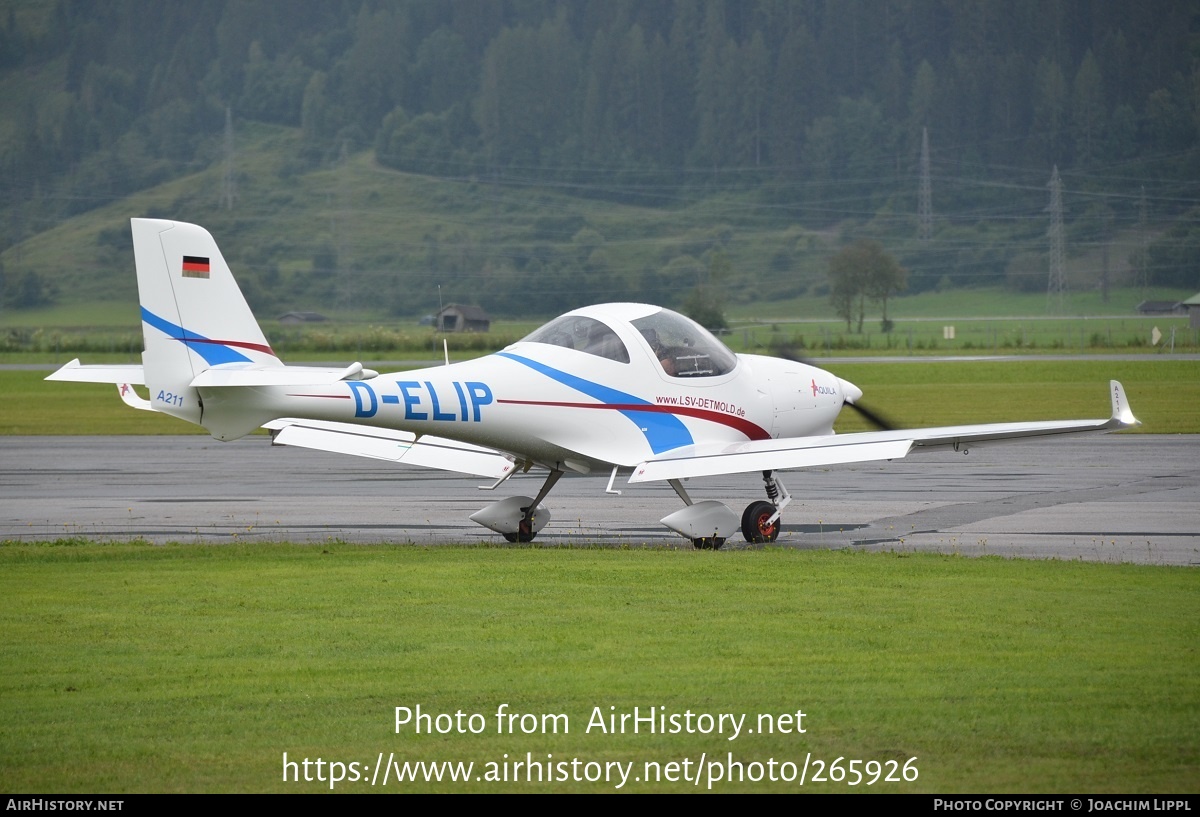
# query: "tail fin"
[194,316]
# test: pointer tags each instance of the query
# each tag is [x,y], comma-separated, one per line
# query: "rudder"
[194,316]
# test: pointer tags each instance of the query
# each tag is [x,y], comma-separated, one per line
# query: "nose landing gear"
[761,520]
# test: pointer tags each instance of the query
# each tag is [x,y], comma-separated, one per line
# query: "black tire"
[708,543]
[754,523]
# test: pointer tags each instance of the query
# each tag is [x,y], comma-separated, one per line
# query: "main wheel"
[525,534]
[756,526]
[708,543]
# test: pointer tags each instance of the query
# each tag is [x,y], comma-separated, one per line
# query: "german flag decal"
[195,266]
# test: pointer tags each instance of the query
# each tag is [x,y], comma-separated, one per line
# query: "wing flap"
[751,457]
[393,446]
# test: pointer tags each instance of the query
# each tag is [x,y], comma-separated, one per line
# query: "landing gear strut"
[708,524]
[518,518]
[525,528]
[760,520]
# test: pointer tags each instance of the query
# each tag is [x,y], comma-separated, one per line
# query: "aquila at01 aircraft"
[616,390]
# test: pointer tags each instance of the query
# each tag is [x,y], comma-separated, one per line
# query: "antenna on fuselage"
[445,344]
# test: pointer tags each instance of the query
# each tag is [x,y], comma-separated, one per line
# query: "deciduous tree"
[861,271]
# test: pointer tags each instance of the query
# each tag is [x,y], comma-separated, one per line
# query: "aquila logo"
[822,389]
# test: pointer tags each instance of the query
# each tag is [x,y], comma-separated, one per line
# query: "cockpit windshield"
[583,334]
[683,347]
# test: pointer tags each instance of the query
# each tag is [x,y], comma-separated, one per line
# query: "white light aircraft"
[617,390]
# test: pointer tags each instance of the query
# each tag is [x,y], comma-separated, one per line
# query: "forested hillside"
[811,114]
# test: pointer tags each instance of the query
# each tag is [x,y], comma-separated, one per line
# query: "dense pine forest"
[813,111]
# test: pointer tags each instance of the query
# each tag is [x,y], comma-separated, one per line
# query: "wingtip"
[59,373]
[1122,414]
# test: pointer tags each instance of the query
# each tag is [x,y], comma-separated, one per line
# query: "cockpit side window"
[586,335]
[683,347]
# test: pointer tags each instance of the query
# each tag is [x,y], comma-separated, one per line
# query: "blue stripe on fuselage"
[214,354]
[663,431]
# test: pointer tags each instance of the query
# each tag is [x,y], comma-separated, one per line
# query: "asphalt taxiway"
[1110,498]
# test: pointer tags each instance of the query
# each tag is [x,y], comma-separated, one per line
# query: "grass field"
[1164,393]
[190,668]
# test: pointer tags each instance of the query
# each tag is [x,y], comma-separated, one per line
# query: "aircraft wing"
[810,452]
[393,446]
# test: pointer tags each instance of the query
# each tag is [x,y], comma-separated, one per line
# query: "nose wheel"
[757,526]
[761,520]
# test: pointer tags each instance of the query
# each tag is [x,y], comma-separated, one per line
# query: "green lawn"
[134,668]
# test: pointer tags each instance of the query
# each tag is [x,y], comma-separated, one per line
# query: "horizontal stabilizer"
[75,372]
[393,446]
[238,374]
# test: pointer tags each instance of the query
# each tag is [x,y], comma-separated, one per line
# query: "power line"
[925,192]
[228,176]
[1056,292]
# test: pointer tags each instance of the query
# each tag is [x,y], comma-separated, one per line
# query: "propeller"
[873,417]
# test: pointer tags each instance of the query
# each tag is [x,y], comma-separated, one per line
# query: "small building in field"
[1160,308]
[462,318]
[294,318]
[1192,305]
